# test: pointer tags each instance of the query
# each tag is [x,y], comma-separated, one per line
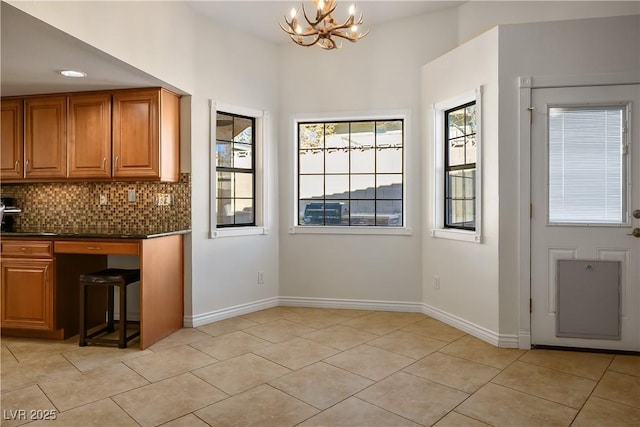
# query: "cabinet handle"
[116,163]
[17,166]
[104,164]
[26,164]
[94,248]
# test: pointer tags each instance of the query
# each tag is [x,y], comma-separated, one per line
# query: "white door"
[585,186]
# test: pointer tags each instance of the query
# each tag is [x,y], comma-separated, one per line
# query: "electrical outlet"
[131,196]
[436,282]
[104,199]
[163,199]
[260,277]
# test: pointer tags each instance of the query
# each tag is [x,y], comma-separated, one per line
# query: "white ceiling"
[32,52]
[260,18]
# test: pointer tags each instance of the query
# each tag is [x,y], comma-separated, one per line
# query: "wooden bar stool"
[111,277]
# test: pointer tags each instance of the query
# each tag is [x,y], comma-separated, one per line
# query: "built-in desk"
[161,280]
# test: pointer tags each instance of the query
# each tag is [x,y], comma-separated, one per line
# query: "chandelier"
[323,28]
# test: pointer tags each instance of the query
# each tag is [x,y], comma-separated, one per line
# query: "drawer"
[98,247]
[27,248]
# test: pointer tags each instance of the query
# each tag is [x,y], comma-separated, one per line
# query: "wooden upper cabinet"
[89,136]
[146,135]
[45,139]
[11,146]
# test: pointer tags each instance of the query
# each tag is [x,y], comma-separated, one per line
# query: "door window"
[587,165]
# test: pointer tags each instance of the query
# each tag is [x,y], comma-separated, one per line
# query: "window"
[235,170]
[351,173]
[237,179]
[587,165]
[457,167]
[460,167]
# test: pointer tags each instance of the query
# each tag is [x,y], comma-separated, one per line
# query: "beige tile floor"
[289,366]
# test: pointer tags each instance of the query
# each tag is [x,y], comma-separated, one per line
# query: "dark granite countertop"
[93,232]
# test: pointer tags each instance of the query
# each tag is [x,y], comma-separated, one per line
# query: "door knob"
[636,213]
[635,232]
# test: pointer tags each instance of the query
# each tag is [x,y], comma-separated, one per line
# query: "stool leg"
[123,316]
[110,307]
[83,319]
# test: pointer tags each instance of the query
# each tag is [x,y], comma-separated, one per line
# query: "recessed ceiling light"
[73,73]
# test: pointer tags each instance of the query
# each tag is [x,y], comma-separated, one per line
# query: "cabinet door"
[136,143]
[27,293]
[89,139]
[11,155]
[46,137]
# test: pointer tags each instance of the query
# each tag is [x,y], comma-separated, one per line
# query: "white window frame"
[439,109]
[406,230]
[261,119]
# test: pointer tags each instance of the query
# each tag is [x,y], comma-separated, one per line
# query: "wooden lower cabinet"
[39,291]
[27,293]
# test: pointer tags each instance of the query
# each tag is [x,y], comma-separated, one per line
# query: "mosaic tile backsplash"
[59,205]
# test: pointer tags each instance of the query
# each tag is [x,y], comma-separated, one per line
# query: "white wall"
[583,50]
[170,42]
[475,17]
[468,271]
[381,72]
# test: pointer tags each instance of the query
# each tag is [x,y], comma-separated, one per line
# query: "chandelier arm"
[301,42]
[319,16]
[350,38]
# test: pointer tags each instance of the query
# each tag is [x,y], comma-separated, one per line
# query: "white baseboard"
[352,304]
[225,313]
[480,332]
[524,340]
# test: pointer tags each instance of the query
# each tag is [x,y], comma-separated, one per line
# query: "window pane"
[225,210]
[456,123]
[456,151]
[224,127]
[336,135]
[243,130]
[389,160]
[225,184]
[337,160]
[363,186]
[389,213]
[244,185]
[470,148]
[311,161]
[363,160]
[586,165]
[337,186]
[244,211]
[311,186]
[242,156]
[470,120]
[311,135]
[363,212]
[389,187]
[224,158]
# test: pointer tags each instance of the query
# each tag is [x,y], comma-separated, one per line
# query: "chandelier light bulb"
[354,28]
[320,4]
[299,29]
[293,12]
[352,10]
